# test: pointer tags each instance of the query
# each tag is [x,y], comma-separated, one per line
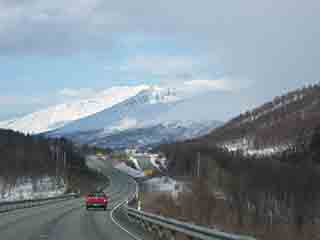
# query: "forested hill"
[24,156]
[280,122]
[273,196]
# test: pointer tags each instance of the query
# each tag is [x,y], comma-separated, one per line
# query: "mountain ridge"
[140,116]
[275,126]
[133,112]
[59,115]
[145,136]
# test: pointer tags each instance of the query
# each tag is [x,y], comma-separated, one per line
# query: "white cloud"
[218,84]
[76,93]
[275,43]
[227,83]
[164,68]
[160,65]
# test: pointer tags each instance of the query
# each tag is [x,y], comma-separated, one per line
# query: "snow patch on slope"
[247,149]
[130,171]
[158,161]
[165,185]
[137,111]
[60,115]
[25,188]
[124,124]
[162,184]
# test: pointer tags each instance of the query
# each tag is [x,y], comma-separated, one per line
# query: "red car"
[97,200]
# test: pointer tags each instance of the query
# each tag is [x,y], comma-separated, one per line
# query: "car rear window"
[97,195]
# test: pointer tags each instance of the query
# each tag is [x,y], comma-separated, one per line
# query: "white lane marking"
[118,224]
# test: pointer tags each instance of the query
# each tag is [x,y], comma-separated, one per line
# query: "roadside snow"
[157,161]
[135,162]
[154,161]
[25,188]
[146,160]
[164,184]
[128,170]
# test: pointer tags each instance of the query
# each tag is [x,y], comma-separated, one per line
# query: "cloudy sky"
[53,51]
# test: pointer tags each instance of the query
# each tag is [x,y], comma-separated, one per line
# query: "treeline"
[35,156]
[275,123]
[275,197]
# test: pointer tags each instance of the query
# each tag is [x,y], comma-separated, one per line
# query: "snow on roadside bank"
[159,162]
[135,162]
[27,189]
[246,147]
[157,184]
[130,171]
[164,184]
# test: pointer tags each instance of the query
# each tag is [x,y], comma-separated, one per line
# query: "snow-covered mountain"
[58,116]
[141,110]
[151,117]
[123,116]
[146,136]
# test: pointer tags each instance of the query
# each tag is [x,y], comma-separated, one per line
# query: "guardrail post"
[143,224]
[134,219]
[149,227]
[172,235]
[160,232]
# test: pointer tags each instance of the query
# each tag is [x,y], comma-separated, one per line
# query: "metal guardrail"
[14,205]
[167,228]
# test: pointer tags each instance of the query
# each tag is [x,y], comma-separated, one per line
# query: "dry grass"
[215,213]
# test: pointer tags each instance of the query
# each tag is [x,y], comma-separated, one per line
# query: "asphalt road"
[69,220]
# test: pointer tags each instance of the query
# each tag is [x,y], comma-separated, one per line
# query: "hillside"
[137,111]
[146,136]
[274,126]
[274,196]
[58,116]
[37,167]
[147,119]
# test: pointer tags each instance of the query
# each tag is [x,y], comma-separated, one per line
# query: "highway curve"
[68,220]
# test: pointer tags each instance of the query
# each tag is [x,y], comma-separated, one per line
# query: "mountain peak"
[59,115]
[156,94]
[140,110]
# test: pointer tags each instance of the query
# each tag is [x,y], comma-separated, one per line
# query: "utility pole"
[65,168]
[56,156]
[198,164]
[64,161]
